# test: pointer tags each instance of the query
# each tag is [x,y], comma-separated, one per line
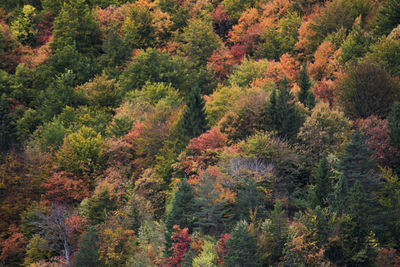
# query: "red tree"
[221,248]
[181,244]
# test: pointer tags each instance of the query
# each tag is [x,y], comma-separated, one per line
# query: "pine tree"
[357,164]
[322,183]
[210,211]
[181,213]
[99,206]
[248,198]
[278,229]
[194,118]
[88,254]
[305,95]
[283,116]
[394,125]
[241,247]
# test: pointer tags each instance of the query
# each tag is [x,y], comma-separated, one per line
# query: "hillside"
[199,133]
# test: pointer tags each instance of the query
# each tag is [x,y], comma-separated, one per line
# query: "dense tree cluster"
[199,133]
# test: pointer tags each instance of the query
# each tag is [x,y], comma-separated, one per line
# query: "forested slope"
[199,133]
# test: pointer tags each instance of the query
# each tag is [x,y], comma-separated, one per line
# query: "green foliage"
[36,250]
[323,186]
[207,257]
[386,53]
[75,25]
[199,41]
[388,17]
[362,86]
[247,71]
[235,8]
[394,125]
[305,96]
[182,212]
[210,211]
[249,200]
[23,25]
[98,207]
[283,115]
[241,247]
[88,255]
[194,119]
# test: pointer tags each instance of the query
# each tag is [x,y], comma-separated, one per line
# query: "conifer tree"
[305,95]
[210,211]
[248,198]
[181,213]
[282,113]
[357,164]
[99,207]
[194,118]
[241,247]
[88,255]
[322,183]
[278,229]
[394,125]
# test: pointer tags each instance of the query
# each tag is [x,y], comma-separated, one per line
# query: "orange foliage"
[13,247]
[325,62]
[221,248]
[64,187]
[111,16]
[388,258]
[324,90]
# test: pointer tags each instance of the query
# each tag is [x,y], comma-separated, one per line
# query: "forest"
[203,133]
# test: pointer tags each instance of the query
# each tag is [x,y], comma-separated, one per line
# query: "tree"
[194,117]
[387,18]
[305,95]
[241,247]
[12,246]
[356,164]
[210,210]
[322,183]
[182,212]
[99,207]
[23,27]
[362,86]
[394,125]
[248,200]
[283,115]
[88,254]
[181,244]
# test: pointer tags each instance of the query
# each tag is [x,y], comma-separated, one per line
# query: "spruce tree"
[278,229]
[357,164]
[99,206]
[305,95]
[181,213]
[248,198]
[210,211]
[322,183]
[282,113]
[88,254]
[241,247]
[394,125]
[194,118]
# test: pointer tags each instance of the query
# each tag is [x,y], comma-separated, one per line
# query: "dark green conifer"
[394,125]
[194,118]
[305,95]
[88,255]
[322,183]
[242,250]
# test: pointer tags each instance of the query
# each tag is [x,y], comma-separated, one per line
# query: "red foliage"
[324,90]
[222,62]
[222,22]
[181,244]
[76,224]
[111,16]
[377,133]
[221,248]
[388,258]
[203,151]
[13,247]
[45,29]
[64,187]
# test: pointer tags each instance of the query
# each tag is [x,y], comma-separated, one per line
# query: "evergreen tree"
[394,125]
[194,118]
[210,211]
[241,247]
[283,115]
[322,183]
[278,229]
[181,213]
[99,207]
[88,254]
[305,95]
[248,198]
[357,164]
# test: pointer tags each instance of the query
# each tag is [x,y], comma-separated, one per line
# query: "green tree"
[241,247]
[305,95]
[388,17]
[248,200]
[23,25]
[394,125]
[98,207]
[194,118]
[283,114]
[182,212]
[323,186]
[210,212]
[88,255]
[75,25]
